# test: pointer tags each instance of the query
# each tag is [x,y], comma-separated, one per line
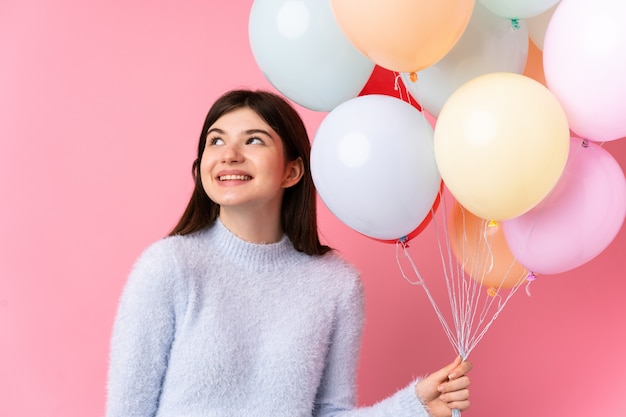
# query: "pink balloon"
[584,60]
[578,219]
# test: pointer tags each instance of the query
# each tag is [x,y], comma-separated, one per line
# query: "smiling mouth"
[235,177]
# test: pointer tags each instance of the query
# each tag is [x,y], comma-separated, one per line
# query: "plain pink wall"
[101,104]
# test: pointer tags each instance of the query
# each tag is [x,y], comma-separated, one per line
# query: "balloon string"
[487,246]
[501,305]
[472,310]
[420,281]
[396,83]
[396,86]
[452,286]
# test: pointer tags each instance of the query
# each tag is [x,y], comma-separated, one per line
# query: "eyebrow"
[253,131]
[247,132]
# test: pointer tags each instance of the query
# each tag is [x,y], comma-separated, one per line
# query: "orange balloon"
[480,247]
[534,64]
[403,35]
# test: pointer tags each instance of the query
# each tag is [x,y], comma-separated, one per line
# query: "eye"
[216,141]
[255,141]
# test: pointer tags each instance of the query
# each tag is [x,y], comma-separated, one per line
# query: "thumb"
[427,389]
[445,373]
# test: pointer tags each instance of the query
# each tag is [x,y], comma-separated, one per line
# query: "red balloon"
[383,81]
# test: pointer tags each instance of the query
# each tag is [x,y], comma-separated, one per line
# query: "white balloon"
[304,54]
[489,44]
[373,164]
[538,25]
[518,9]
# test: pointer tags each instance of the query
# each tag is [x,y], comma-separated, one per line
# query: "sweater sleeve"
[142,335]
[337,393]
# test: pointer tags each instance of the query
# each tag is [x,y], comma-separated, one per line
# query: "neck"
[253,228]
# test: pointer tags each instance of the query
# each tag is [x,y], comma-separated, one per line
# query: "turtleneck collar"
[251,256]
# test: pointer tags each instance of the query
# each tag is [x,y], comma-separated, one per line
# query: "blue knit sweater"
[211,325]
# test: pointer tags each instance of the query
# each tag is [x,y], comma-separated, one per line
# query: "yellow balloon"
[403,35]
[501,144]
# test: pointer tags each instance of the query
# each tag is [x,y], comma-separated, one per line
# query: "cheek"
[207,161]
[202,169]
[205,174]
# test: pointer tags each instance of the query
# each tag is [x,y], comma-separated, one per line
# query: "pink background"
[101,104]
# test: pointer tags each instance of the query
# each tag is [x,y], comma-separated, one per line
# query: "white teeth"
[235,177]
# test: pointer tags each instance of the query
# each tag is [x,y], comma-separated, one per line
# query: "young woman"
[241,311]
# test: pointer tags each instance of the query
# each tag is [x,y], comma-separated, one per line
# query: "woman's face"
[243,164]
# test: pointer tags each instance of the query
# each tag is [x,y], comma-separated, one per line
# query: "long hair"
[299,210]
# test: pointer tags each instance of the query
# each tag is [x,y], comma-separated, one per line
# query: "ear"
[293,172]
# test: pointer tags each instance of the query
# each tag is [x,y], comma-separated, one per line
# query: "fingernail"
[440,388]
[452,376]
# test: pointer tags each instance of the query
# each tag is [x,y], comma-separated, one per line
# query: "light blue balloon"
[373,164]
[303,53]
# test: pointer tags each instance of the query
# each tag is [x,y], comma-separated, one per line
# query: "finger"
[455,385]
[460,370]
[455,396]
[459,405]
[452,367]
[442,374]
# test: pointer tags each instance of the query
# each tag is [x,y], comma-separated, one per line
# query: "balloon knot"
[529,279]
[404,241]
[515,24]
[584,143]
[492,223]
[492,292]
[413,76]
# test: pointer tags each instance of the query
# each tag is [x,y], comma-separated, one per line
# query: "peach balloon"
[403,35]
[481,248]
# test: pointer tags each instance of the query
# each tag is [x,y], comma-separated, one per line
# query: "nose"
[231,153]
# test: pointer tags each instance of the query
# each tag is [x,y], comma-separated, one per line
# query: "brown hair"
[299,211]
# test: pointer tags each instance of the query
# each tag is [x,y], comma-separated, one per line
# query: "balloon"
[385,82]
[501,144]
[538,25]
[580,217]
[584,57]
[534,64]
[423,225]
[481,249]
[518,9]
[301,50]
[403,35]
[373,165]
[487,45]
[382,81]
